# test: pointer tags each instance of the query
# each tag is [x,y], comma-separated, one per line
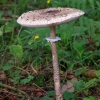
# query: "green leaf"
[22,99]
[24,81]
[17,72]
[51,93]
[97,43]
[1,32]
[79,85]
[90,82]
[98,73]
[16,79]
[89,98]
[86,99]
[30,42]
[46,98]
[68,95]
[16,76]
[7,67]
[39,80]
[30,77]
[16,51]
[98,79]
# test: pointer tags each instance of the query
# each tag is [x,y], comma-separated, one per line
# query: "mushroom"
[51,17]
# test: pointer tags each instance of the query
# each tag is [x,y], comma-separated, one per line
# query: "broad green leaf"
[51,93]
[30,77]
[68,95]
[79,85]
[16,79]
[39,80]
[7,67]
[86,99]
[24,81]
[30,42]
[16,51]
[89,98]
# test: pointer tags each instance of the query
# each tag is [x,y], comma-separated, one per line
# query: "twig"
[33,69]
[23,70]
[10,93]
[16,90]
[20,30]
[39,88]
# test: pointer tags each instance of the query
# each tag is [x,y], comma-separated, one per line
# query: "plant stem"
[16,90]
[55,65]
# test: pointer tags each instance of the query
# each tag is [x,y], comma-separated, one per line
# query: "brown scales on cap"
[49,17]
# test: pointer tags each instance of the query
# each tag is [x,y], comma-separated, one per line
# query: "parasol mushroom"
[51,17]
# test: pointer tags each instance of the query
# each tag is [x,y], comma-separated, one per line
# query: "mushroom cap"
[49,17]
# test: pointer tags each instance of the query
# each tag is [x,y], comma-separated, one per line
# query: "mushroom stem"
[55,65]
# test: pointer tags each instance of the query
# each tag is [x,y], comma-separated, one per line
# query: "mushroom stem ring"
[53,40]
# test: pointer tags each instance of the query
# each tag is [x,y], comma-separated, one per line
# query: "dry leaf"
[69,85]
[90,73]
[2,75]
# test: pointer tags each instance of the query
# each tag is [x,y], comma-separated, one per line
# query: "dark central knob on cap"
[52,11]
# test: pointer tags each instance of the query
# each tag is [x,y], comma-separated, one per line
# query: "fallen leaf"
[69,87]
